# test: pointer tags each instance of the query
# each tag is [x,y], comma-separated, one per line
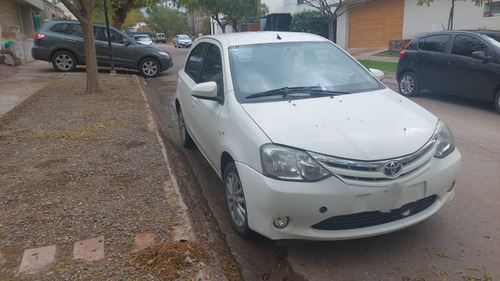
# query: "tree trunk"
[331,21]
[119,17]
[90,57]
[450,18]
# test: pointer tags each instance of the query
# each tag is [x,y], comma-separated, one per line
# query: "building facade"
[20,19]
[377,22]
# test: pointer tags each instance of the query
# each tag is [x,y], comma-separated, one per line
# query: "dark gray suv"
[61,43]
[464,63]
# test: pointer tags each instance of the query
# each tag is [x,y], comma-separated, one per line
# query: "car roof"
[262,37]
[463,31]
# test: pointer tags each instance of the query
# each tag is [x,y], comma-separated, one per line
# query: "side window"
[212,69]
[193,65]
[98,33]
[465,45]
[433,43]
[115,36]
[59,28]
[75,30]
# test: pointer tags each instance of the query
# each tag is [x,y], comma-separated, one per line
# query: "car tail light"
[40,36]
[404,49]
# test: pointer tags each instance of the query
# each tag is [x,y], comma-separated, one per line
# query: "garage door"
[375,23]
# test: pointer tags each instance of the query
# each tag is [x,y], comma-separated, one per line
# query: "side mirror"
[126,42]
[378,73]
[206,90]
[480,55]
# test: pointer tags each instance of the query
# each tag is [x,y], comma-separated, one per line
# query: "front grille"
[357,172]
[367,219]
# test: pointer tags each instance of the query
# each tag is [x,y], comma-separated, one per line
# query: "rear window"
[434,43]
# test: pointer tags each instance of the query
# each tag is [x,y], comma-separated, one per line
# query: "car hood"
[367,126]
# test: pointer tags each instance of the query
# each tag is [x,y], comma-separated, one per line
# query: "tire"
[409,85]
[64,61]
[235,201]
[497,102]
[186,139]
[149,67]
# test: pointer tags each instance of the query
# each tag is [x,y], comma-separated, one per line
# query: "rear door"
[468,76]
[430,62]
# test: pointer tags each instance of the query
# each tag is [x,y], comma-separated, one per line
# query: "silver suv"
[61,43]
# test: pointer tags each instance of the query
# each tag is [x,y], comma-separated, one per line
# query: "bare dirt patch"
[76,166]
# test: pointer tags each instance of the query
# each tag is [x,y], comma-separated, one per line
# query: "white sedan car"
[309,143]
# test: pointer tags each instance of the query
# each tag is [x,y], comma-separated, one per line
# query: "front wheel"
[186,139]
[64,61]
[497,102]
[149,67]
[235,201]
[409,85]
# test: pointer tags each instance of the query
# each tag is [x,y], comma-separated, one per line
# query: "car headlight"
[286,163]
[164,54]
[445,142]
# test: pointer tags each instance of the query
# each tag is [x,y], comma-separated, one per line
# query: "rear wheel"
[497,102]
[235,201]
[409,85]
[149,67]
[186,139]
[64,61]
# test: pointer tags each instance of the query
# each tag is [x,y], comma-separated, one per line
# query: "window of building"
[299,2]
[492,9]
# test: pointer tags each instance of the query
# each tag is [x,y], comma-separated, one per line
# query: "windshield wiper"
[314,90]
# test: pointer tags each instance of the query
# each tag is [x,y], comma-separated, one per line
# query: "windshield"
[494,38]
[283,66]
[184,37]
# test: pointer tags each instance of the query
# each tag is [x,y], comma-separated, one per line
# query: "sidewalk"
[85,189]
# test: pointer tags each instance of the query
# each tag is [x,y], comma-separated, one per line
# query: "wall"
[8,16]
[419,19]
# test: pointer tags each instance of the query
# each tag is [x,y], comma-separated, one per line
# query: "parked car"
[463,63]
[308,142]
[143,39]
[60,42]
[182,41]
[160,38]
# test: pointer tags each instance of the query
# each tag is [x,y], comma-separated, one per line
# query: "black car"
[61,43]
[464,63]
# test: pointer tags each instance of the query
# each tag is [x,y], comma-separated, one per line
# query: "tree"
[133,17]
[310,22]
[452,8]
[333,10]
[82,10]
[226,12]
[164,19]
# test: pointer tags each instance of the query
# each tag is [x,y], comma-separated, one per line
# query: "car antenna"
[278,36]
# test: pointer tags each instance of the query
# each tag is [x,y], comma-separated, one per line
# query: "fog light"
[281,222]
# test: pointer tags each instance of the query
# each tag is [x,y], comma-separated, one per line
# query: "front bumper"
[307,204]
[166,63]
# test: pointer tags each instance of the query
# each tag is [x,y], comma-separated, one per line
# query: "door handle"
[452,64]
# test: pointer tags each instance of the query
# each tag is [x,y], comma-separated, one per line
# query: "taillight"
[40,36]
[404,49]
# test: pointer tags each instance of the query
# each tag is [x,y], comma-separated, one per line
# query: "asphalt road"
[460,242]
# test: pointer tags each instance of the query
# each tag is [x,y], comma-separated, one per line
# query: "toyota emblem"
[393,169]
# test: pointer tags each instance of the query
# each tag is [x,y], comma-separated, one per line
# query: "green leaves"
[311,21]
